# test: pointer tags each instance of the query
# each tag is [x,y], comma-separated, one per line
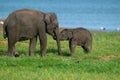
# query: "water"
[91,14]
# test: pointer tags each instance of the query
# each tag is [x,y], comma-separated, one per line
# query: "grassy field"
[103,63]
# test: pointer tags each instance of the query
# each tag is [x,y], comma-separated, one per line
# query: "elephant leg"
[32,46]
[72,46]
[11,48]
[43,43]
[87,47]
[15,53]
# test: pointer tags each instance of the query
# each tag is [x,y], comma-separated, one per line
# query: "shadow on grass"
[66,53]
[3,53]
[55,51]
[50,50]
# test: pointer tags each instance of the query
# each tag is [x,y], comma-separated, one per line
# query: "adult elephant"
[27,24]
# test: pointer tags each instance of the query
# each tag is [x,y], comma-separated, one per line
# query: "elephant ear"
[69,33]
[51,18]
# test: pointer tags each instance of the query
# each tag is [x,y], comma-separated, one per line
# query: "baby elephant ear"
[47,18]
[68,32]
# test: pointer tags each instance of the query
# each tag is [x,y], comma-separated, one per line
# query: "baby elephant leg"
[72,46]
[87,47]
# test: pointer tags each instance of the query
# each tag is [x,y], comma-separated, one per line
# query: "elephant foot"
[42,55]
[59,54]
[32,54]
[10,55]
[16,54]
[86,51]
[71,54]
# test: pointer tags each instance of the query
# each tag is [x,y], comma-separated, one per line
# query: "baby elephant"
[77,36]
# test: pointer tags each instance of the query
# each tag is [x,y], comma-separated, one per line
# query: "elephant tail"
[5,35]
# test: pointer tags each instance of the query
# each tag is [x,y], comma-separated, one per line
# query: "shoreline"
[61,28]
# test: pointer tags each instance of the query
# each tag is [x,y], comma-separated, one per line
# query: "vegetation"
[103,63]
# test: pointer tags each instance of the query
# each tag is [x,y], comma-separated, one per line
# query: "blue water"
[91,14]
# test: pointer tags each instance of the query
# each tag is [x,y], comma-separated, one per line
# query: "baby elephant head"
[65,34]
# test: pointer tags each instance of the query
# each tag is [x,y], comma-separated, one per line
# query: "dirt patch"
[106,58]
[2,42]
[1,28]
[1,25]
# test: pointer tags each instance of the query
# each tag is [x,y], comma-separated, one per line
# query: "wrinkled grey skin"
[79,36]
[27,24]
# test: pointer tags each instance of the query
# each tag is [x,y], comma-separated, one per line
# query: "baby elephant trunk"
[60,38]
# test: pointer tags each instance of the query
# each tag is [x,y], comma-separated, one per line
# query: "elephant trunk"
[58,42]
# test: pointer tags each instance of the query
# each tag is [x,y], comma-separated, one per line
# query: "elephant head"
[52,28]
[65,34]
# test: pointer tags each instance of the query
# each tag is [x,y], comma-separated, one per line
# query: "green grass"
[103,63]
